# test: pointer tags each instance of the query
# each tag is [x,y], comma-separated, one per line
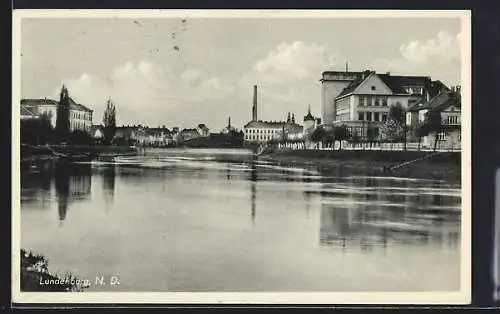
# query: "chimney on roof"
[388,73]
[346,67]
[254,108]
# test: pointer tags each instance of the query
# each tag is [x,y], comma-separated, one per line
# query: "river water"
[219,220]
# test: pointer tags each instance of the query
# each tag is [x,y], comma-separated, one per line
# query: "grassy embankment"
[446,166]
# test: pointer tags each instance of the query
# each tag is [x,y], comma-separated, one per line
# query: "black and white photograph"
[241,156]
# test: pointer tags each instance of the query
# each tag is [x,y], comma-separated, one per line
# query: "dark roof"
[26,112]
[395,83]
[39,102]
[440,102]
[272,125]
[47,101]
[308,117]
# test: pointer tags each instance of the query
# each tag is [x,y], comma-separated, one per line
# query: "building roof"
[396,83]
[273,125]
[440,102]
[27,112]
[50,102]
[309,116]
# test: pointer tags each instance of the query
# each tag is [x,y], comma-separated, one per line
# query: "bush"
[34,271]
[80,137]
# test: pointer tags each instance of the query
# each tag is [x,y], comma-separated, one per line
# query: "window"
[361,116]
[441,136]
[369,100]
[373,87]
[377,101]
[368,116]
[384,117]
[384,101]
[362,101]
[376,116]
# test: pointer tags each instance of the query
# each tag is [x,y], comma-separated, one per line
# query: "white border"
[463,296]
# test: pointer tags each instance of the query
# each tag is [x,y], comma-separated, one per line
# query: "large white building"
[362,99]
[80,117]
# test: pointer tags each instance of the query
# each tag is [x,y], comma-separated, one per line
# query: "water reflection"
[108,185]
[183,225]
[253,188]
[72,182]
[387,212]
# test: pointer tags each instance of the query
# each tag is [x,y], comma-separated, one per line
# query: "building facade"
[448,104]
[80,117]
[365,102]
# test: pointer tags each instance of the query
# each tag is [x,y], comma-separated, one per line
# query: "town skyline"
[156,73]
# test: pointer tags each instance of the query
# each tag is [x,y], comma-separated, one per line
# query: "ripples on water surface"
[216,220]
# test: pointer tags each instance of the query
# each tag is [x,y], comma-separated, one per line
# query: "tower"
[229,122]
[288,118]
[309,122]
[332,84]
[254,108]
[293,118]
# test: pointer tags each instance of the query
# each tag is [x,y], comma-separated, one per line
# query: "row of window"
[80,115]
[414,90]
[258,137]
[261,131]
[75,125]
[452,120]
[372,116]
[376,101]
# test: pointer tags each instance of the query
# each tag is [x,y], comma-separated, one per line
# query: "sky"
[166,71]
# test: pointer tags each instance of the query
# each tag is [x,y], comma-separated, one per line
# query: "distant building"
[262,131]
[188,134]
[229,128]
[97,133]
[367,96]
[80,117]
[126,135]
[203,130]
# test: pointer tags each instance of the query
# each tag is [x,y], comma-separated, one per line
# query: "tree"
[421,130]
[371,135]
[391,131]
[398,114]
[341,134]
[62,121]
[109,121]
[318,135]
[434,124]
[46,131]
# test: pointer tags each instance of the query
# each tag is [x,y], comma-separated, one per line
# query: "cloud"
[146,93]
[288,79]
[444,47]
[438,57]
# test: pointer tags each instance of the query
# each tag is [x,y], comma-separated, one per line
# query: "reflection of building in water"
[71,182]
[108,184]
[253,188]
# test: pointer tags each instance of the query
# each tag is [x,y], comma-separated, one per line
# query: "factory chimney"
[254,108]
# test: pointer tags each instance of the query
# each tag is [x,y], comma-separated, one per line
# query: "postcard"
[241,157]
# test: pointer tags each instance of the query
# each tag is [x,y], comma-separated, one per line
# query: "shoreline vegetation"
[35,276]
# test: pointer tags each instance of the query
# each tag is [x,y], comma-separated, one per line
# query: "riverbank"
[445,167]
[30,153]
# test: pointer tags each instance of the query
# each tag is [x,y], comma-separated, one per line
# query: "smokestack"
[254,108]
